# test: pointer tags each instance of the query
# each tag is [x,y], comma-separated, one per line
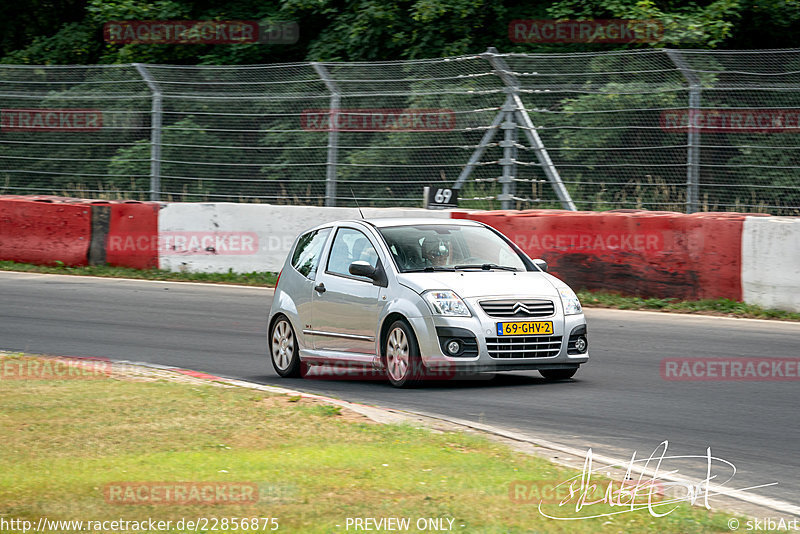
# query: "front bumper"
[494,353]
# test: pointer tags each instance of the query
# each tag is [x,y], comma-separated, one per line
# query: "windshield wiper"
[486,267]
[430,269]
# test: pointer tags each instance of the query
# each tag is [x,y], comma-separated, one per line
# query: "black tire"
[558,374]
[404,367]
[283,350]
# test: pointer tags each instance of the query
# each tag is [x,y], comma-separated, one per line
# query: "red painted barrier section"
[44,230]
[633,252]
[132,239]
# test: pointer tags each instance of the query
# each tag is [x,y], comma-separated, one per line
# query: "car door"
[305,260]
[347,307]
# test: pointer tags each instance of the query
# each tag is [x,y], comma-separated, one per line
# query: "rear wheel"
[283,349]
[558,374]
[403,363]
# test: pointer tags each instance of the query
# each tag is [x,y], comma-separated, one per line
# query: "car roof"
[386,222]
[407,221]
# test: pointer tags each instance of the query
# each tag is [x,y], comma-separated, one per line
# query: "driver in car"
[436,252]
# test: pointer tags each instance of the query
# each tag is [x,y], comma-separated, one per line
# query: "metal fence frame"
[513,119]
[509,119]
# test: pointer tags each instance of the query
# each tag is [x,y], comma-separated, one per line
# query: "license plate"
[526,328]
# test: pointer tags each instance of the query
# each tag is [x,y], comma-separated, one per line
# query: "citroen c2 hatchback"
[414,297]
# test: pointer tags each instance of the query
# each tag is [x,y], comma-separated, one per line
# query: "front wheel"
[283,349]
[558,374]
[403,363]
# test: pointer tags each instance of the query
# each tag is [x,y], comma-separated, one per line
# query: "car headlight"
[572,306]
[445,302]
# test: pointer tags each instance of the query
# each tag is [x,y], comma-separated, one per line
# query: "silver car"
[418,298]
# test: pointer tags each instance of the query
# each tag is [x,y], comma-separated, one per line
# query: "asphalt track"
[617,404]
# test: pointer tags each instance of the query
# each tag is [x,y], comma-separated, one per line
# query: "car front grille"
[523,346]
[518,308]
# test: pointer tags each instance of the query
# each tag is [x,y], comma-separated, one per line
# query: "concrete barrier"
[45,230]
[634,252]
[132,237]
[771,262]
[246,237]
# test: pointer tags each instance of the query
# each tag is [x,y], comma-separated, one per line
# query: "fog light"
[453,347]
[581,344]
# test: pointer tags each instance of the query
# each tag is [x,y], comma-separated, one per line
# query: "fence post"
[693,135]
[483,144]
[503,71]
[155,132]
[509,161]
[333,134]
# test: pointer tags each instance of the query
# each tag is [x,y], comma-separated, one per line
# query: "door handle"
[320,288]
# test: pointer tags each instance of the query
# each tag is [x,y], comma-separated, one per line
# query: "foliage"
[70,31]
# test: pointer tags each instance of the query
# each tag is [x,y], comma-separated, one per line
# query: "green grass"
[726,307]
[314,466]
[248,279]
[589,299]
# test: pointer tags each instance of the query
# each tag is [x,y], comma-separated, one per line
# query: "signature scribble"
[646,491]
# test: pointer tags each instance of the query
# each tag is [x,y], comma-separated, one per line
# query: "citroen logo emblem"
[521,307]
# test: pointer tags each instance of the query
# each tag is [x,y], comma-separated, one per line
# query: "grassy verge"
[248,279]
[70,445]
[724,307]
[590,299]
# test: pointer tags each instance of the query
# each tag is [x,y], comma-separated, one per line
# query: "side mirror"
[541,264]
[362,268]
[376,274]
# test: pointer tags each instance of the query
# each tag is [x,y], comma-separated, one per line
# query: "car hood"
[468,284]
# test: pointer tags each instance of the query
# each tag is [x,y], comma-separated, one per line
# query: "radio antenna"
[356,201]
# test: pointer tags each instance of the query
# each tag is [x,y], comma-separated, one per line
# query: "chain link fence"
[682,130]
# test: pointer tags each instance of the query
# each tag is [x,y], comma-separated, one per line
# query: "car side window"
[308,251]
[350,245]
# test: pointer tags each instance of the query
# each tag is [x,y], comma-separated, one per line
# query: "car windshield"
[432,247]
